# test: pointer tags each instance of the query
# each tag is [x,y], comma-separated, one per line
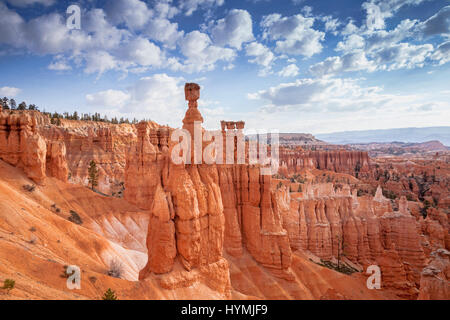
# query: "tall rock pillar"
[192,121]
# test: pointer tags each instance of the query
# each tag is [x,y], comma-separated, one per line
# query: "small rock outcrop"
[21,145]
[435,277]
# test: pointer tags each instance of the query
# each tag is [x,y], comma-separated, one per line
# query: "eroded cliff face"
[339,225]
[21,145]
[435,228]
[435,278]
[343,161]
[87,141]
[29,141]
[418,179]
[253,218]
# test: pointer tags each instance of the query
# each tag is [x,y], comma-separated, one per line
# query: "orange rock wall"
[342,161]
[328,225]
[203,209]
[22,146]
[104,143]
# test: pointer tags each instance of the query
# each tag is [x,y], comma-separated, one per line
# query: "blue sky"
[295,65]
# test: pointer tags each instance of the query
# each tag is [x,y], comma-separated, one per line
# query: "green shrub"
[109,295]
[75,217]
[426,206]
[29,187]
[342,268]
[389,194]
[8,284]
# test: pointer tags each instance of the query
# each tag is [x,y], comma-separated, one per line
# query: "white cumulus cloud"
[108,98]
[289,71]
[293,35]
[380,10]
[201,54]
[233,30]
[190,6]
[327,95]
[9,92]
[354,61]
[134,13]
[442,53]
[158,97]
[260,53]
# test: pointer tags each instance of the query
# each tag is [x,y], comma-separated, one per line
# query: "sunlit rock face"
[22,146]
[342,161]
[334,223]
[198,210]
[28,140]
[104,143]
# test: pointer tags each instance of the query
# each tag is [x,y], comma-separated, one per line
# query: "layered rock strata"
[22,146]
[343,161]
[330,227]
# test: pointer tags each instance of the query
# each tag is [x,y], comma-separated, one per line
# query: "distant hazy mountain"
[441,134]
[295,139]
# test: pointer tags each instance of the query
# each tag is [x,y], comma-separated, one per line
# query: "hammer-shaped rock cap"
[192,91]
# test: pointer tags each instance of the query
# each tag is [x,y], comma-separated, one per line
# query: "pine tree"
[12,104]
[93,174]
[109,295]
[22,106]
[5,103]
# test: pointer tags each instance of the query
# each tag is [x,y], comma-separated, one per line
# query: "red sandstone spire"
[192,94]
